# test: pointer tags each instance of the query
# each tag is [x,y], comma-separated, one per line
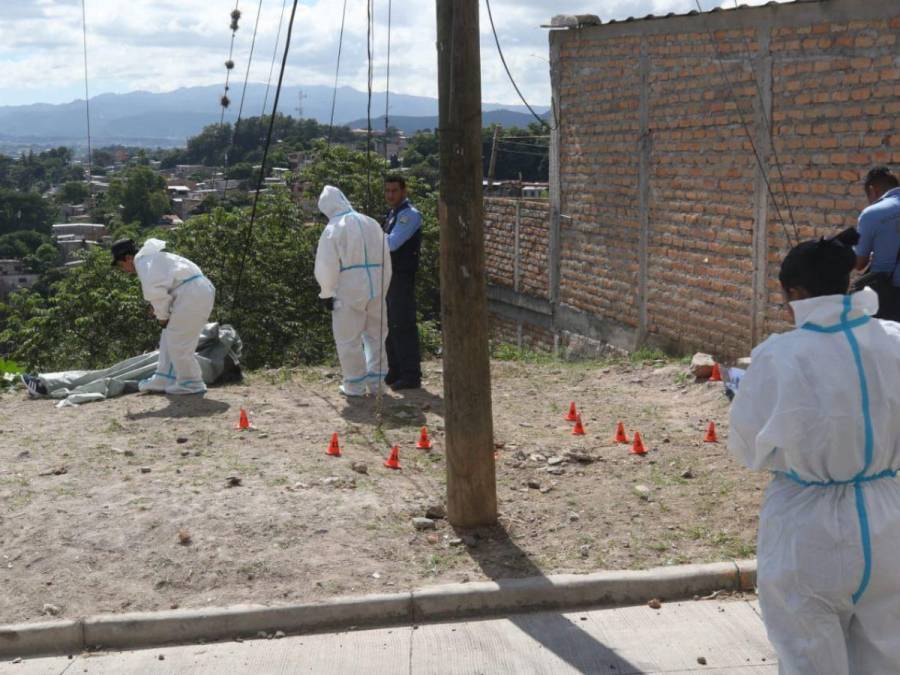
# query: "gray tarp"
[82,386]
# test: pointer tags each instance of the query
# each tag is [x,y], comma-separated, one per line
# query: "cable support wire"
[237,122]
[749,134]
[512,80]
[248,243]
[274,56]
[769,130]
[337,71]
[229,63]
[87,103]
[387,85]
[379,398]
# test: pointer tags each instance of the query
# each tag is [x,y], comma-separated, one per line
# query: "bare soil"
[126,505]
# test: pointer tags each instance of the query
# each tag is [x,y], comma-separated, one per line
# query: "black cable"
[87,102]
[768,124]
[746,127]
[540,119]
[262,169]
[337,70]
[237,122]
[274,56]
[370,38]
[228,68]
[387,86]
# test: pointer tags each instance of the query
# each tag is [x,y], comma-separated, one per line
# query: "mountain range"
[167,119]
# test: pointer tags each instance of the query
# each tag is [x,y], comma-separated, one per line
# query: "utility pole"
[471,478]
[493,164]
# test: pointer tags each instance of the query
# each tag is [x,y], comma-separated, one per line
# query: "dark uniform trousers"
[403,334]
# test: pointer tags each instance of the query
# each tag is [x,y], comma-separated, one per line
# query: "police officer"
[403,226]
[879,241]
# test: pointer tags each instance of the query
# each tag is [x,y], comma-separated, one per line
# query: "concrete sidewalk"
[727,635]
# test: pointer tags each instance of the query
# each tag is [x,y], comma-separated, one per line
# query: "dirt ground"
[125,505]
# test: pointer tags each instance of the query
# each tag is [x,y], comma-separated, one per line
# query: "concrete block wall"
[661,227]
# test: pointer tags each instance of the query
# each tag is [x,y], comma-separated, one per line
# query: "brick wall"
[530,275]
[666,229]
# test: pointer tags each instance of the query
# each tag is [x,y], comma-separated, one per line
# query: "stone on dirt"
[702,365]
[423,523]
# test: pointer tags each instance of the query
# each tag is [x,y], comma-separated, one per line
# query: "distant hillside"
[149,119]
[410,125]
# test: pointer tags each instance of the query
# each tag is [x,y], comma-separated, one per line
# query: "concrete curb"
[457,601]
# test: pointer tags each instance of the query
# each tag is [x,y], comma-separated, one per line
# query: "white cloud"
[159,45]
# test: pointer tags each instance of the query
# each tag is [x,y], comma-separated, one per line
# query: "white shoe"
[350,393]
[186,389]
[152,385]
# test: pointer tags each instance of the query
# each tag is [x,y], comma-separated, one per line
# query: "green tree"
[73,192]
[24,211]
[141,194]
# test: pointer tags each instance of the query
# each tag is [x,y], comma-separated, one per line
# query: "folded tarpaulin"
[218,351]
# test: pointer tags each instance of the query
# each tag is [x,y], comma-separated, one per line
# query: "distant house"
[13,276]
[170,221]
[93,231]
[178,190]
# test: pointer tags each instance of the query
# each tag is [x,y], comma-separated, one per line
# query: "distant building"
[13,276]
[93,231]
[170,221]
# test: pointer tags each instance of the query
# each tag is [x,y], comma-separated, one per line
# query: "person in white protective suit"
[182,299]
[820,408]
[353,268]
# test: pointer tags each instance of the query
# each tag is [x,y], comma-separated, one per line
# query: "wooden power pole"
[471,479]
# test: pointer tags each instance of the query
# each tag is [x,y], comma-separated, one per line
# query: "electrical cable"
[262,169]
[274,56]
[387,86]
[87,103]
[229,63]
[512,80]
[337,70]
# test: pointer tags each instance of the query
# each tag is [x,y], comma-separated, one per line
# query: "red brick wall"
[534,242]
[834,87]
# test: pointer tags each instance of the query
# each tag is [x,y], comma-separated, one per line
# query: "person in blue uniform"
[403,226]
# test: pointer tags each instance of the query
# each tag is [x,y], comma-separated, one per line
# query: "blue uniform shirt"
[879,233]
[401,224]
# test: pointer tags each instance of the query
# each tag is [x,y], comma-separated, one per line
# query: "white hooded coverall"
[180,293]
[353,266]
[820,407]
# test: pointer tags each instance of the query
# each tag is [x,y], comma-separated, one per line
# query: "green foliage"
[643,354]
[140,193]
[24,211]
[21,243]
[32,172]
[74,192]
[9,371]
[503,351]
[93,317]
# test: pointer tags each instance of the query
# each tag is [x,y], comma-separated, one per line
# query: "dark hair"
[821,267]
[395,178]
[881,177]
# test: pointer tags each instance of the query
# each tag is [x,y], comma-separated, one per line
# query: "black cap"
[122,248]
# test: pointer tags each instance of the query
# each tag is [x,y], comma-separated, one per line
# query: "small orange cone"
[244,422]
[333,448]
[424,442]
[573,414]
[711,434]
[579,428]
[620,434]
[716,374]
[638,447]
[393,462]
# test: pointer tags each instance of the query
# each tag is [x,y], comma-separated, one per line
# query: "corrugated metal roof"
[584,20]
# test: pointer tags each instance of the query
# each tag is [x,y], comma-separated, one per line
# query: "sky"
[161,45]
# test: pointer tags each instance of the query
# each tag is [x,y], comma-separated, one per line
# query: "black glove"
[329,304]
[848,238]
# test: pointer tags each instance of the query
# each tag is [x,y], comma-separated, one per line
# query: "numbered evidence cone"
[620,434]
[711,434]
[333,448]
[573,414]
[393,462]
[578,430]
[716,375]
[244,422]
[424,442]
[638,447]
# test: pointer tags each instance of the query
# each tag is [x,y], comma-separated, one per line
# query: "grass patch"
[506,352]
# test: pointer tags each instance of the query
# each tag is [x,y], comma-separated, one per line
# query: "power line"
[387,86]
[229,64]
[237,122]
[746,128]
[87,99]
[540,119]
[337,70]
[274,56]
[262,169]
